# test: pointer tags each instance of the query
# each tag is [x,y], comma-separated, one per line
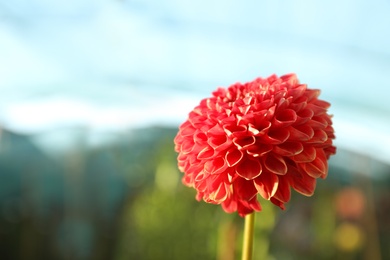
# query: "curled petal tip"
[249,169]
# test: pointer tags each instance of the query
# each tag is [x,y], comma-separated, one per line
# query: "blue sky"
[116,65]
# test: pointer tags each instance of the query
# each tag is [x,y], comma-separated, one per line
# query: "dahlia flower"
[262,137]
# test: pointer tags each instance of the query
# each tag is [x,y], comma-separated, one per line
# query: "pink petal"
[291,78]
[284,102]
[220,194]
[189,130]
[298,105]
[283,193]
[244,189]
[206,153]
[307,155]
[304,116]
[276,137]
[200,184]
[312,94]
[219,143]
[233,157]
[264,106]
[248,100]
[255,204]
[252,129]
[322,103]
[297,91]
[278,203]
[246,207]
[229,205]
[216,130]
[187,146]
[288,148]
[245,142]
[267,185]
[249,169]
[319,137]
[318,167]
[215,166]
[235,130]
[318,110]
[199,196]
[301,182]
[275,164]
[195,150]
[329,151]
[259,150]
[317,123]
[200,137]
[285,118]
[244,109]
[301,133]
[259,129]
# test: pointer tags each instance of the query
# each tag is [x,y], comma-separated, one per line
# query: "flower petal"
[244,109]
[302,182]
[283,193]
[290,78]
[233,156]
[216,166]
[312,94]
[301,133]
[247,207]
[220,194]
[244,189]
[200,137]
[235,130]
[260,149]
[278,203]
[259,128]
[288,148]
[245,142]
[307,155]
[304,116]
[216,130]
[200,182]
[275,164]
[187,146]
[284,118]
[318,167]
[318,108]
[297,91]
[317,122]
[276,137]
[319,137]
[267,184]
[321,103]
[187,130]
[220,142]
[206,153]
[249,169]
[229,205]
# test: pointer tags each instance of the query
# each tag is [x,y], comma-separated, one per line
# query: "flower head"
[261,137]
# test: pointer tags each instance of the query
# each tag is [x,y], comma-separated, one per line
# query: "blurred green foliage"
[125,200]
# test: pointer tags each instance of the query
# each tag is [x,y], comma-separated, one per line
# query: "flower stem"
[247,246]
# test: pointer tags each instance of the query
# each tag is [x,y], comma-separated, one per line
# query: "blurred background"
[92,93]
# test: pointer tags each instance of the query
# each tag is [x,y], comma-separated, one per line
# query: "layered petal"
[262,137]
[267,184]
[249,169]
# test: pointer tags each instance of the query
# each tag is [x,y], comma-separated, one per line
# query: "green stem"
[247,246]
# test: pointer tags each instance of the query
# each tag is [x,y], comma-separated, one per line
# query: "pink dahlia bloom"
[261,137]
